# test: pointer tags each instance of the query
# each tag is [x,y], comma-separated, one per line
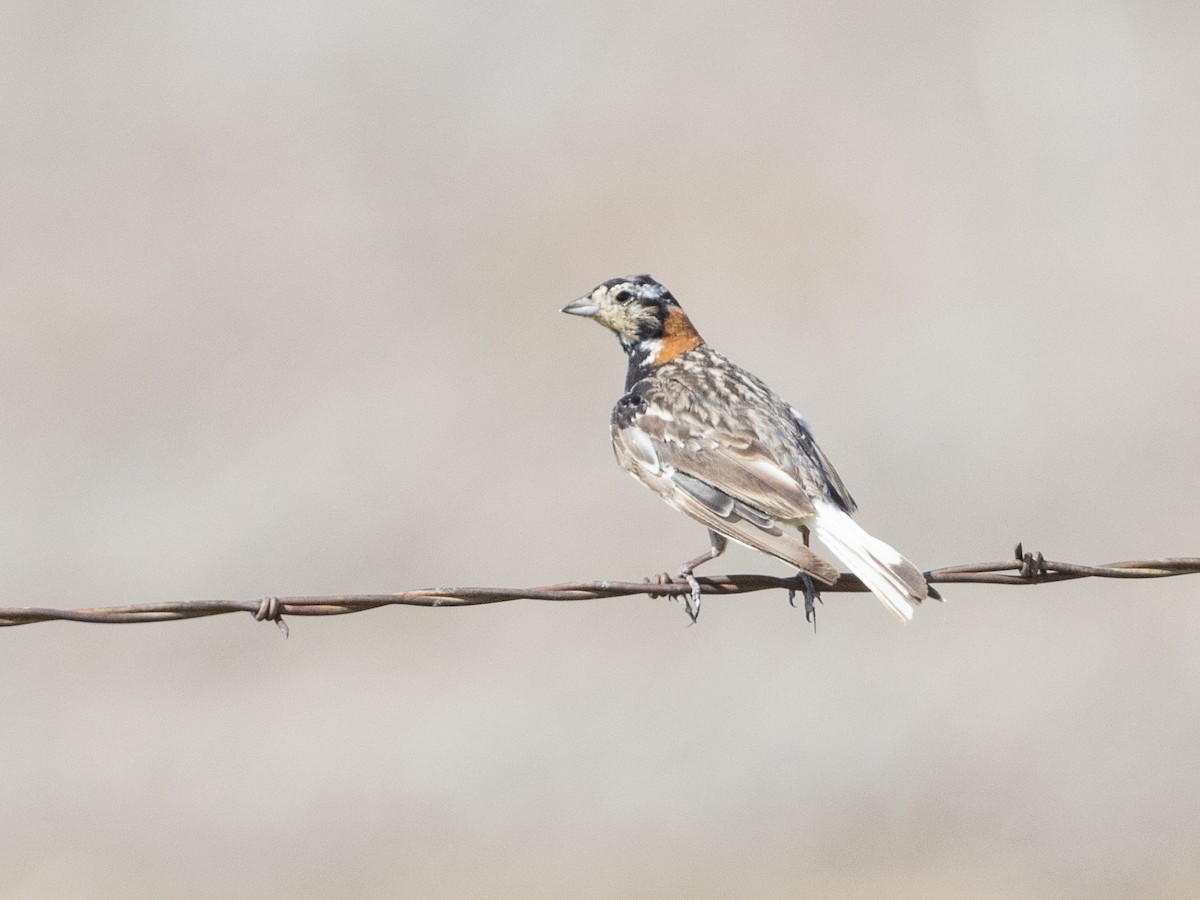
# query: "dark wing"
[749,448]
[728,484]
[821,464]
[713,507]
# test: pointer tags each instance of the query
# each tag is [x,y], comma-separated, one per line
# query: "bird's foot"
[811,596]
[660,578]
[691,602]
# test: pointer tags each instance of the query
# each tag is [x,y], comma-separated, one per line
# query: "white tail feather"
[889,576]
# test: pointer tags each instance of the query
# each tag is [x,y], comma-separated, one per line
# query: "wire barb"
[269,610]
[1023,568]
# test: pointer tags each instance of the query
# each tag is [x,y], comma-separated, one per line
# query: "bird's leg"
[811,594]
[691,603]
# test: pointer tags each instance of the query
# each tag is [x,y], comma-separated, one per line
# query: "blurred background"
[279,292]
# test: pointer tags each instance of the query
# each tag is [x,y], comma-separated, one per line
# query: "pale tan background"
[279,289]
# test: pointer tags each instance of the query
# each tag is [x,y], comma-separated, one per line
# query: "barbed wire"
[1024,568]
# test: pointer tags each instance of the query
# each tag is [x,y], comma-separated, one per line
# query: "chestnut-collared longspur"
[718,444]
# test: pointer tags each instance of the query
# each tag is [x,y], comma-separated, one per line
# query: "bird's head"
[646,319]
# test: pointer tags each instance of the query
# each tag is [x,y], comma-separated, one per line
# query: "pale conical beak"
[584,306]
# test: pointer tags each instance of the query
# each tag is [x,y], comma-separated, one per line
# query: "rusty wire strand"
[1025,568]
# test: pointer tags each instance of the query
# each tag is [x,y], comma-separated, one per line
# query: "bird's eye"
[623,296]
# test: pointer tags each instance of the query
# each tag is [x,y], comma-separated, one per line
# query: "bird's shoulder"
[701,407]
[702,395]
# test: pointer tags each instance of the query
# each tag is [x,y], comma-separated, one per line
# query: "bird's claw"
[691,602]
[660,578]
[811,596]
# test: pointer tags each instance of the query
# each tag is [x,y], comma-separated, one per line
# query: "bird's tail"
[888,575]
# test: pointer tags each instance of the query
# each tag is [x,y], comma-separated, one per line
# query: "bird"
[716,443]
